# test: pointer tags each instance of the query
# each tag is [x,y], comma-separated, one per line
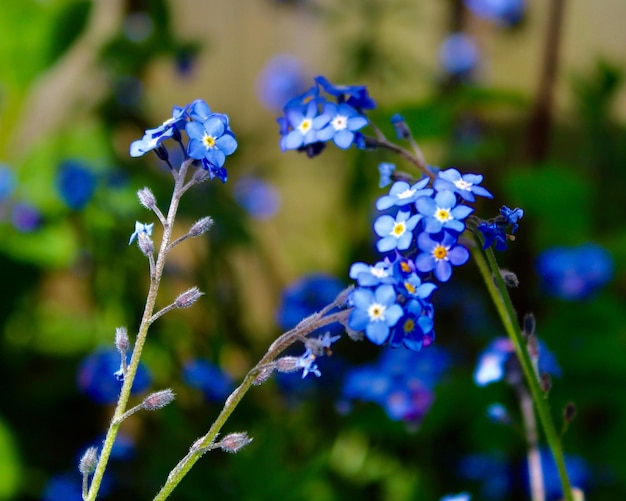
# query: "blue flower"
[375,312]
[385,170]
[355,95]
[370,276]
[76,184]
[442,212]
[96,376]
[493,233]
[577,468]
[465,185]
[574,273]
[402,193]
[395,233]
[153,138]
[214,383]
[300,122]
[260,199]
[458,55]
[7,182]
[210,140]
[339,123]
[141,228]
[501,11]
[511,216]
[463,496]
[415,329]
[439,253]
[25,217]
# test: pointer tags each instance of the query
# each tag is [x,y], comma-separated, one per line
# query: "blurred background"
[528,93]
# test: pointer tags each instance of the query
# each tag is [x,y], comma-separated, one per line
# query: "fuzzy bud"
[288,364]
[234,442]
[533,347]
[187,298]
[201,226]
[263,375]
[529,324]
[145,244]
[146,198]
[569,412]
[158,400]
[510,278]
[546,382]
[200,175]
[88,461]
[121,339]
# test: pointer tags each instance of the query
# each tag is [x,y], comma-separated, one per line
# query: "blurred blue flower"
[282,79]
[306,296]
[260,199]
[501,11]
[96,376]
[385,170]
[458,55]
[7,182]
[75,183]
[577,468]
[25,217]
[492,362]
[63,487]
[492,471]
[576,272]
[463,496]
[400,381]
[209,378]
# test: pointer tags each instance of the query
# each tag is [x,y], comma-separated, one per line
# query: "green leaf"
[10,466]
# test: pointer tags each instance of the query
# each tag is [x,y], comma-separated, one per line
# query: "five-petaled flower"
[375,312]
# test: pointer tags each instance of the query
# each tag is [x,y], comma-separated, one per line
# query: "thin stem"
[129,375]
[203,444]
[535,471]
[490,271]
[417,161]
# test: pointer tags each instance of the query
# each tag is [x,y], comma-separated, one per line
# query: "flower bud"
[201,226]
[569,412]
[121,339]
[234,442]
[145,244]
[288,364]
[187,298]
[158,400]
[264,374]
[529,324]
[88,461]
[510,278]
[545,382]
[200,175]
[146,198]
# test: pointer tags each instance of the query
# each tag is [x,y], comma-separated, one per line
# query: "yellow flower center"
[443,215]
[409,287]
[409,325]
[376,311]
[305,126]
[440,252]
[209,142]
[398,229]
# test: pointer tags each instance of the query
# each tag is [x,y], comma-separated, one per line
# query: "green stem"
[203,444]
[129,375]
[490,272]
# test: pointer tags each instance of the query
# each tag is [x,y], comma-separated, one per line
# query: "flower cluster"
[419,238]
[210,138]
[311,119]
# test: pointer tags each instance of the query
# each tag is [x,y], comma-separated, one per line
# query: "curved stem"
[499,293]
[417,160]
[129,375]
[203,444]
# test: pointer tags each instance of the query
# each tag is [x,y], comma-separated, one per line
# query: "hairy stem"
[129,375]
[499,293]
[203,444]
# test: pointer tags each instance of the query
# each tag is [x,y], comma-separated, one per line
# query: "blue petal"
[227,144]
[377,332]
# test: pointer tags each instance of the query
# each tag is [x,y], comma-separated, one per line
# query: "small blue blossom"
[465,185]
[463,496]
[7,182]
[402,193]
[281,79]
[370,276]
[574,273]
[439,253]
[97,376]
[498,413]
[339,123]
[260,199]
[25,217]
[412,287]
[153,138]
[141,228]
[511,216]
[415,329]
[395,233]
[307,363]
[402,129]
[375,312]
[505,12]
[214,383]
[385,170]
[442,212]
[493,233]
[75,183]
[300,121]
[355,95]
[63,487]
[458,55]
[210,140]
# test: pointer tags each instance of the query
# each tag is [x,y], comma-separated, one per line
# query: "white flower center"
[463,185]
[408,193]
[398,229]
[378,272]
[305,126]
[376,312]
[340,122]
[443,215]
[208,141]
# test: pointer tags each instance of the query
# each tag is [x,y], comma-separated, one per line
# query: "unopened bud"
[187,298]
[201,226]
[121,340]
[569,412]
[200,175]
[158,400]
[546,382]
[529,324]
[288,364]
[510,278]
[145,244]
[264,374]
[234,442]
[146,198]
[402,129]
[532,345]
[88,461]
